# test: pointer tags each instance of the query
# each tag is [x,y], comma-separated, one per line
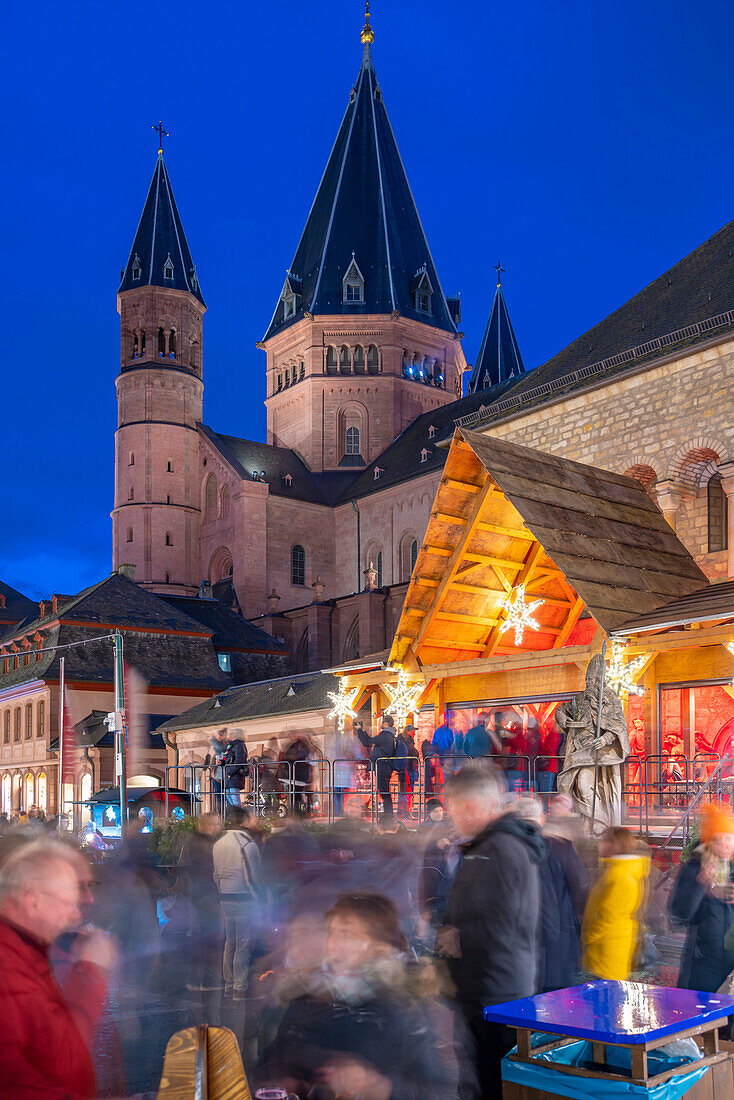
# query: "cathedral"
[314,533]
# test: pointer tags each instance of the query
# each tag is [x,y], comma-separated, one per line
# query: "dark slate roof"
[611,541]
[363,209]
[17,606]
[92,731]
[286,695]
[715,601]
[227,627]
[499,355]
[159,235]
[691,302]
[171,649]
[250,457]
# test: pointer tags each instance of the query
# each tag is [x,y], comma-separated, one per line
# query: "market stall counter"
[617,1039]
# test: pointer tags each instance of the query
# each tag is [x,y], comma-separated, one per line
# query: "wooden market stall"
[529,562]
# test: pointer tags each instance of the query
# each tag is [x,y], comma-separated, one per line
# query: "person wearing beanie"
[702,901]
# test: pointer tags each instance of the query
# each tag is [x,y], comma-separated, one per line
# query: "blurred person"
[491,929]
[238,876]
[408,778]
[206,946]
[703,901]
[563,888]
[432,770]
[476,740]
[546,765]
[441,858]
[46,1030]
[358,1030]
[383,750]
[611,929]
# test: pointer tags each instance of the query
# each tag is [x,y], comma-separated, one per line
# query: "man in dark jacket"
[491,931]
[383,752]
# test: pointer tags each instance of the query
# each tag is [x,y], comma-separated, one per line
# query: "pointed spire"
[160,253]
[499,355]
[363,207]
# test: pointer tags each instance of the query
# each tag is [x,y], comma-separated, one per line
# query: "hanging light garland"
[403,697]
[519,615]
[342,701]
[620,674]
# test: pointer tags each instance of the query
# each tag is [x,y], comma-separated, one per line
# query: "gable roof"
[704,605]
[363,206]
[227,627]
[580,539]
[285,695]
[499,355]
[160,236]
[14,606]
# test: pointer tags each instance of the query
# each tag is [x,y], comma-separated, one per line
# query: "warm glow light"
[519,614]
[620,674]
[403,697]
[342,701]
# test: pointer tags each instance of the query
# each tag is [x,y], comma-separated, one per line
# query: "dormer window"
[422,290]
[168,269]
[136,268]
[353,284]
[289,294]
[289,306]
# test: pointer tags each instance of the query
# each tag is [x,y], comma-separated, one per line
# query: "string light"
[342,701]
[620,674]
[403,697]
[519,614]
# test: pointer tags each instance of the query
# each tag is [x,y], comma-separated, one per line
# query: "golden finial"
[367,35]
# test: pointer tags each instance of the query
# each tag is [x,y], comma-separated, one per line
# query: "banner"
[138,722]
[70,752]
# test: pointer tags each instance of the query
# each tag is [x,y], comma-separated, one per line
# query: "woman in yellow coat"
[611,929]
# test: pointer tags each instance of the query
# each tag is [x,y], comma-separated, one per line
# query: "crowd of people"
[351,962]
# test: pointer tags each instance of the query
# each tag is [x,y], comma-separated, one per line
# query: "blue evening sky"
[588,146]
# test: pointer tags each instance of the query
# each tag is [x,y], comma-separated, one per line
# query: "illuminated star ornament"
[403,697]
[519,614]
[620,674]
[342,701]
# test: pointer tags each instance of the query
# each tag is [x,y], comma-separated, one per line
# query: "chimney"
[205,591]
[42,608]
[127,571]
[54,604]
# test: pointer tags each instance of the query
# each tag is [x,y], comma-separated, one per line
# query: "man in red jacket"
[46,1031]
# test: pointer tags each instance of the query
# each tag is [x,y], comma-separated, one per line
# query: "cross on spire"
[499,269]
[368,35]
[162,132]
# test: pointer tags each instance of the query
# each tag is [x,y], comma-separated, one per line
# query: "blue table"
[626,1014]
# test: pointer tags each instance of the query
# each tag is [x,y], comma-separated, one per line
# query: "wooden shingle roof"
[585,541]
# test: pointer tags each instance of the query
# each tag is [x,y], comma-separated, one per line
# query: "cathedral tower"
[362,339]
[499,356]
[155,521]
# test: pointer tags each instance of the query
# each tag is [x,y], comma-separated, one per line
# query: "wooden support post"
[523,1042]
[639,1063]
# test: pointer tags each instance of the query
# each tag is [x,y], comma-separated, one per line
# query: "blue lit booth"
[104,806]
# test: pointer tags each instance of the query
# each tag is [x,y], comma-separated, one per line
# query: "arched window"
[41,720]
[359,360]
[42,792]
[373,359]
[351,642]
[85,793]
[131,460]
[378,567]
[129,534]
[6,727]
[6,799]
[298,565]
[169,539]
[136,346]
[28,721]
[142,342]
[29,791]
[224,502]
[210,499]
[169,466]
[331,363]
[345,360]
[717,514]
[352,441]
[220,565]
[16,792]
[131,493]
[161,342]
[16,726]
[172,344]
[413,554]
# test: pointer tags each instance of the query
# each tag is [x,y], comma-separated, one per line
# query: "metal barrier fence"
[654,786]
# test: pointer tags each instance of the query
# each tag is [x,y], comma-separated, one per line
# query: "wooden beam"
[680,639]
[455,559]
[439,551]
[488,559]
[426,582]
[511,532]
[571,620]
[484,590]
[467,618]
[571,655]
[446,517]
[463,486]
[435,643]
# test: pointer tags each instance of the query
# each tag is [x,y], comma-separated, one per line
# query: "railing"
[654,787]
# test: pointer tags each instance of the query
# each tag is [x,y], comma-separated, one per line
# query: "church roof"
[363,221]
[14,606]
[160,246]
[499,355]
[227,627]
